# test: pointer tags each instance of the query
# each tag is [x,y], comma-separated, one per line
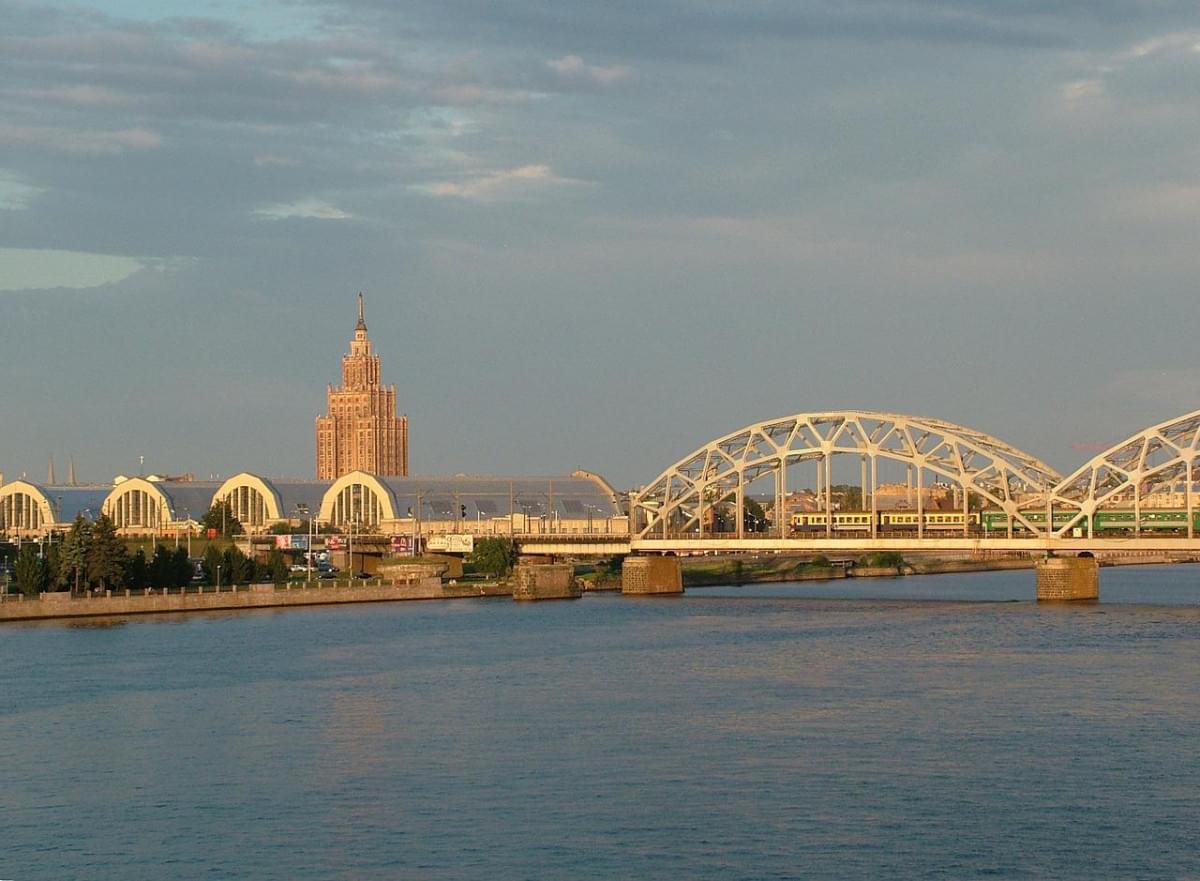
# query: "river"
[925,727]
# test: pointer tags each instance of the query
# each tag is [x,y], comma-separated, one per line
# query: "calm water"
[909,728]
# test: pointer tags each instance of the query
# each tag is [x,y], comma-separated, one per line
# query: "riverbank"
[255,596]
[710,571]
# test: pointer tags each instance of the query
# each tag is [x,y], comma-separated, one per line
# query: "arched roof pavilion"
[29,508]
[370,501]
[259,502]
[140,505]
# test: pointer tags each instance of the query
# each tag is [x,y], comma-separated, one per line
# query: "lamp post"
[302,509]
[218,578]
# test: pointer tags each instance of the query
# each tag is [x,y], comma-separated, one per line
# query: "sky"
[590,235]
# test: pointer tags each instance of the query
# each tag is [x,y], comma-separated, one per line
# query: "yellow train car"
[843,521]
[933,520]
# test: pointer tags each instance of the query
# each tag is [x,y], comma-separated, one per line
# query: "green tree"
[181,568]
[846,497]
[220,517]
[73,566]
[277,565]
[754,518]
[30,572]
[212,560]
[492,556]
[162,568]
[238,565]
[137,572]
[53,564]
[105,555]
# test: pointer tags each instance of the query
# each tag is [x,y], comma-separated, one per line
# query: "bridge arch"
[358,498]
[680,500]
[1160,462]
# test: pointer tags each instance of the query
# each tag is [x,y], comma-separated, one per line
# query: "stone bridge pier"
[1068,579]
[652,574]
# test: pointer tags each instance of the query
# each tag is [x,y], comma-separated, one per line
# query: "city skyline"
[597,240]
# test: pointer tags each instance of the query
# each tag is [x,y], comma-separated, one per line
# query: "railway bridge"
[963,491]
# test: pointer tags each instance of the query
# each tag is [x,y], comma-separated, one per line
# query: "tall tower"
[360,431]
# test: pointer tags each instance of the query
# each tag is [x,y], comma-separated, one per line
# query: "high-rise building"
[361,431]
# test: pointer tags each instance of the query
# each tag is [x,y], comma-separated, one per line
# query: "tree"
[277,566]
[105,555]
[847,497]
[241,568]
[181,568]
[754,518]
[137,572]
[220,517]
[213,566]
[492,556]
[30,572]
[73,566]
[162,568]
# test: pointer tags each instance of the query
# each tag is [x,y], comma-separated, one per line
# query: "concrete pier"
[652,575]
[1068,579]
[545,581]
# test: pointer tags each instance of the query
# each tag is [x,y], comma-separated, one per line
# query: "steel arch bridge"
[1028,504]
[677,502]
[1124,475]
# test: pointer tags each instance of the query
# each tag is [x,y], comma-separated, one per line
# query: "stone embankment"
[256,596]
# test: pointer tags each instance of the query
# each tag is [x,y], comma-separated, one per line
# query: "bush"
[492,556]
[820,561]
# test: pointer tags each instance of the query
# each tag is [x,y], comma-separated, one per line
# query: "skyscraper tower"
[360,431]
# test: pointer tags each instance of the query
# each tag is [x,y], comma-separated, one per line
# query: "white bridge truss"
[1157,462]
[681,500]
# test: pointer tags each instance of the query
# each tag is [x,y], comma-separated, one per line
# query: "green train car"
[1114,521]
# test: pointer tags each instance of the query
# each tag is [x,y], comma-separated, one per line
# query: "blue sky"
[590,235]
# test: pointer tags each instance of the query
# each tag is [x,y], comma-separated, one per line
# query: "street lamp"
[302,509]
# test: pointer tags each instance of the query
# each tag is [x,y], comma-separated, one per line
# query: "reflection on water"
[921,727]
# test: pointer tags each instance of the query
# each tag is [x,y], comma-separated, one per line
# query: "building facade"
[360,431]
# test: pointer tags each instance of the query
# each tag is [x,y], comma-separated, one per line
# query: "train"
[1113,522]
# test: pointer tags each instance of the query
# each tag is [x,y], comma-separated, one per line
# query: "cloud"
[1159,69]
[15,194]
[574,67]
[305,209]
[81,141]
[273,160]
[23,269]
[81,95]
[498,185]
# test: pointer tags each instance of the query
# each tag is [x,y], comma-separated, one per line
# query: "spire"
[362,322]
[71,472]
[50,473]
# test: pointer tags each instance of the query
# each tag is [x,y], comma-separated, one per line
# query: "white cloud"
[1082,90]
[1188,41]
[41,269]
[574,67]
[15,194]
[273,160]
[306,209]
[81,141]
[499,184]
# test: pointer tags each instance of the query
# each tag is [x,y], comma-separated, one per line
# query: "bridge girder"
[1122,474]
[717,473]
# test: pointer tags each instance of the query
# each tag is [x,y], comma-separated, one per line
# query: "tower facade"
[360,431]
